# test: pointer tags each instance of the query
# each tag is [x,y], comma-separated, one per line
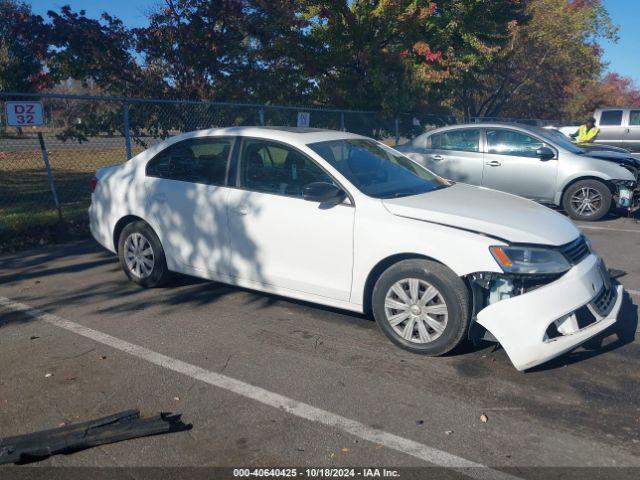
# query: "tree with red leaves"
[24,48]
[392,55]
[612,90]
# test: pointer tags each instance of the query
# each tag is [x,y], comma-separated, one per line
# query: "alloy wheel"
[586,201]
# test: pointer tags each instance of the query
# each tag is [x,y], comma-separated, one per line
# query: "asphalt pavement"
[267,381]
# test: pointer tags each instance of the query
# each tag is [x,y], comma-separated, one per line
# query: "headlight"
[589,244]
[529,260]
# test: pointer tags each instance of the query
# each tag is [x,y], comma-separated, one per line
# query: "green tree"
[552,48]
[402,55]
[226,49]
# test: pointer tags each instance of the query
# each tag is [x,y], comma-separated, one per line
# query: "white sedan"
[343,220]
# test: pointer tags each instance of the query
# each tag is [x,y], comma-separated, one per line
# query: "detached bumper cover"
[520,323]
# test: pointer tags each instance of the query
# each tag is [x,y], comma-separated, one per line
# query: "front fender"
[464,252]
[614,173]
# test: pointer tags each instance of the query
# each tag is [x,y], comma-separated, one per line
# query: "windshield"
[377,170]
[559,138]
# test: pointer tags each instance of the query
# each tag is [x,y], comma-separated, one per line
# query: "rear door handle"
[241,210]
[437,157]
[493,163]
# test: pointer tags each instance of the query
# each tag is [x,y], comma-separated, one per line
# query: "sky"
[623,57]
[131,12]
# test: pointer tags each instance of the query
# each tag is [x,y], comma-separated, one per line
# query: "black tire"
[452,292]
[157,274]
[571,200]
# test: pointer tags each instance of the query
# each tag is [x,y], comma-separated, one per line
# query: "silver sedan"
[530,162]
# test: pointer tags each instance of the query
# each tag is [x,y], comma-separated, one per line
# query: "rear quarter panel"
[120,192]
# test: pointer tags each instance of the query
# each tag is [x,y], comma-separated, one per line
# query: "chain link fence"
[84,133]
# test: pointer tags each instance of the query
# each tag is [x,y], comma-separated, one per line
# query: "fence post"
[261,114]
[342,128]
[127,132]
[47,167]
[397,127]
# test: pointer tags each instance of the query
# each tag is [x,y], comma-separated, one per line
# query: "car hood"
[620,158]
[599,147]
[489,212]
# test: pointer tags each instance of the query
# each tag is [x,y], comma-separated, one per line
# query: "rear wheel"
[142,256]
[422,306]
[587,200]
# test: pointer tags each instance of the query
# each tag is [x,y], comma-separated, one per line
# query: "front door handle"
[493,163]
[437,157]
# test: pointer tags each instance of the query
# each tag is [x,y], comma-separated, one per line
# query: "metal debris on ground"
[72,438]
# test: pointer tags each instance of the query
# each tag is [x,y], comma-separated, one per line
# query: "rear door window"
[611,118]
[196,160]
[463,140]
[634,118]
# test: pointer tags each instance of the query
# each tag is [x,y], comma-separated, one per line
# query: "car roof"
[283,134]
[517,126]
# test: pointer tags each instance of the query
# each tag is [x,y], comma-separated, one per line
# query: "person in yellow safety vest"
[587,133]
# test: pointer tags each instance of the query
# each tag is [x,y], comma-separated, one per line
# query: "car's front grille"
[603,303]
[576,250]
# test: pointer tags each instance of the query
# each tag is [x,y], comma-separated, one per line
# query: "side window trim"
[175,145]
[485,142]
[234,160]
[241,140]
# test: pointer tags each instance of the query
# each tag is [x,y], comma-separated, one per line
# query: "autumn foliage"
[518,58]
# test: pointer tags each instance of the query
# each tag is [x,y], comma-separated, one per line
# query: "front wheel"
[142,256]
[587,200]
[422,306]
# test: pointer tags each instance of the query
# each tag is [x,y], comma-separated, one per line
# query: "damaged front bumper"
[555,318]
[626,195]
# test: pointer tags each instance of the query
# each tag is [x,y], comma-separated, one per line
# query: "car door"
[277,238]
[186,195]
[611,129]
[632,132]
[456,155]
[512,165]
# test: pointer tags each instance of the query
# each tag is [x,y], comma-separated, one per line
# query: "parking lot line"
[303,410]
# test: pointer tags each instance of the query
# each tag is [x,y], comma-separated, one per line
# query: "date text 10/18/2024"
[315,472]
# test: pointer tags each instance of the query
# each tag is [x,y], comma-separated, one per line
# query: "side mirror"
[545,153]
[323,192]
